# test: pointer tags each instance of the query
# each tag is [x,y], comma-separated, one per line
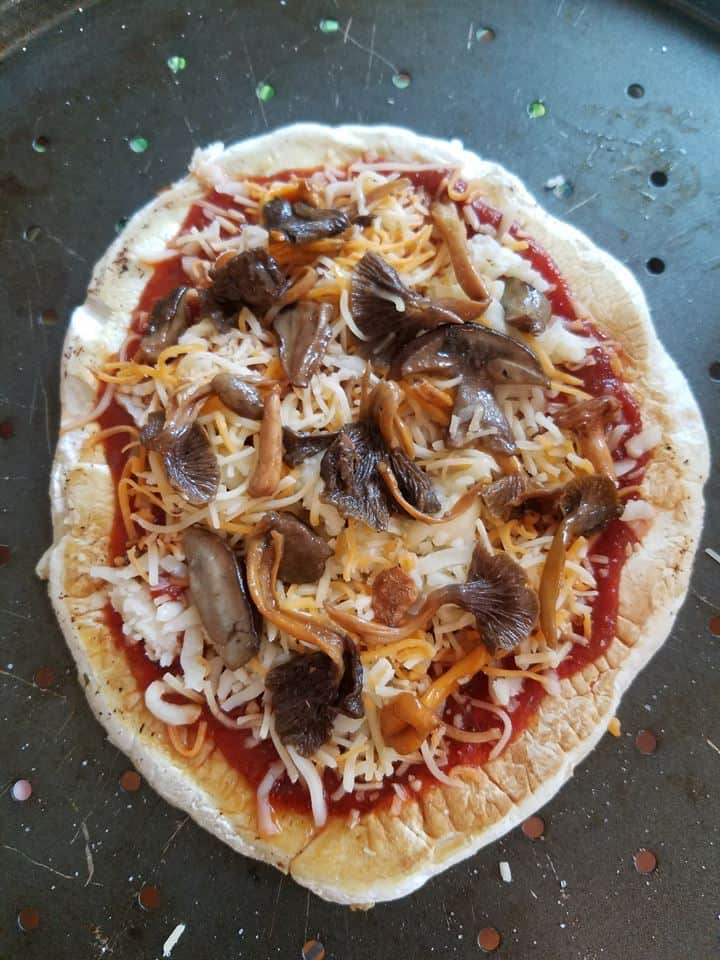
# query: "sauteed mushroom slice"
[587,506]
[238,395]
[218,591]
[188,457]
[304,551]
[303,222]
[298,447]
[589,419]
[252,279]
[303,331]
[169,319]
[526,308]
[453,231]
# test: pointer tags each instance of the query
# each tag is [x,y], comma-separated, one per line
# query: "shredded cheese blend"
[148,586]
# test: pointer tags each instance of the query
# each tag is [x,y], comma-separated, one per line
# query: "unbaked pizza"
[375,488]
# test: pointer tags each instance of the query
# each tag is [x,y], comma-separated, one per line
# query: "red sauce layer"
[598,377]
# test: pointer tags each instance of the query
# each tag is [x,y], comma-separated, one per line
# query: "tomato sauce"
[253,759]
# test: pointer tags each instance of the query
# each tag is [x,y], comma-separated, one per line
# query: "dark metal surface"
[100,77]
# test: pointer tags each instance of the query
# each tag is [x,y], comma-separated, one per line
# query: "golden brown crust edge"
[386,856]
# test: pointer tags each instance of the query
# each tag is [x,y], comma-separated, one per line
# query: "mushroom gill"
[586,506]
[251,279]
[484,359]
[303,332]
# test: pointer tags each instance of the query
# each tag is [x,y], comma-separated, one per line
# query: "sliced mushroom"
[304,551]
[298,447]
[263,558]
[354,485]
[252,279]
[303,331]
[589,419]
[526,308]
[505,495]
[238,395]
[302,222]
[381,304]
[307,694]
[393,593]
[587,505]
[496,592]
[452,229]
[188,457]
[483,358]
[218,591]
[383,406]
[169,319]
[268,469]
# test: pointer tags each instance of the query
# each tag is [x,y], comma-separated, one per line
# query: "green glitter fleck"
[401,79]
[138,144]
[485,34]
[121,224]
[263,91]
[328,25]
[536,109]
[176,64]
[40,144]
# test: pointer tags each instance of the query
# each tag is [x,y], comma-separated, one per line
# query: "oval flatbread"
[349,792]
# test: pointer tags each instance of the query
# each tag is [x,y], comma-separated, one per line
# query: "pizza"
[375,489]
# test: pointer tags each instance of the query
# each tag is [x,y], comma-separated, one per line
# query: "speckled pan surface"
[628,801]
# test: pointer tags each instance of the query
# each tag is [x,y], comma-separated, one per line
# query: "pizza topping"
[526,308]
[298,447]
[308,692]
[302,222]
[238,395]
[354,485]
[589,419]
[446,219]
[483,359]
[496,592]
[169,318]
[393,593]
[304,551]
[189,461]
[252,279]
[504,495]
[383,306]
[218,591]
[303,332]
[587,505]
[268,468]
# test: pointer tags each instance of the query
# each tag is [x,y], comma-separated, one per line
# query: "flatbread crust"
[384,856]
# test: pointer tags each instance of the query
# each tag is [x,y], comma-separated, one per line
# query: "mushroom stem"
[301,285]
[446,219]
[268,470]
[550,581]
[384,407]
[406,720]
[262,562]
[594,447]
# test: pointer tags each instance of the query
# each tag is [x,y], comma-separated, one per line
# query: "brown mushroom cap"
[307,693]
[381,304]
[526,308]
[304,551]
[587,414]
[354,485]
[218,591]
[298,447]
[483,358]
[588,504]
[238,395]
[169,319]
[302,222]
[252,279]
[303,331]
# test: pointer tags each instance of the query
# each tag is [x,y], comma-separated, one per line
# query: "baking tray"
[80,83]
